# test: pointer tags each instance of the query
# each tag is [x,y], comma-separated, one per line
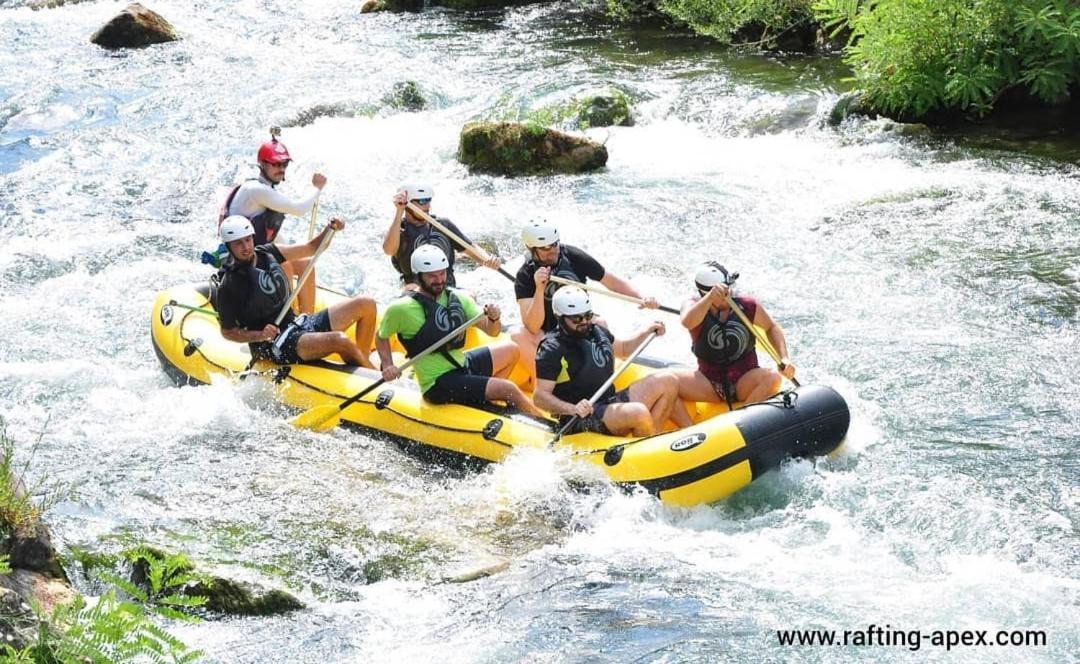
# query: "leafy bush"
[727,21]
[916,57]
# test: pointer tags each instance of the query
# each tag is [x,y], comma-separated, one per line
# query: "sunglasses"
[577,319]
[548,247]
[421,201]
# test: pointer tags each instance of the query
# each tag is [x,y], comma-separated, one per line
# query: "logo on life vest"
[442,319]
[601,354]
[267,282]
[687,442]
[730,338]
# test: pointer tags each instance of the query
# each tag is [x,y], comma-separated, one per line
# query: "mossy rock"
[511,148]
[607,110]
[134,27]
[407,96]
[370,6]
[241,599]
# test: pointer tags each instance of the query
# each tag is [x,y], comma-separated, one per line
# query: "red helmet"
[275,152]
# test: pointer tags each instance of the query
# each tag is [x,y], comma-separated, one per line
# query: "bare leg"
[757,385]
[629,418]
[693,386]
[657,392]
[503,358]
[362,311]
[306,299]
[317,345]
[500,389]
[527,342]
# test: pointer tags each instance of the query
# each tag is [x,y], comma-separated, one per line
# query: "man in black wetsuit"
[407,232]
[251,288]
[577,357]
[549,257]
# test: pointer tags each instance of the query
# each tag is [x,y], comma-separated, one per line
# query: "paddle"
[603,388]
[327,416]
[296,291]
[609,293]
[314,213]
[451,234]
[762,339]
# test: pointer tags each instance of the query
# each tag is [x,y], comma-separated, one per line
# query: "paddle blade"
[319,418]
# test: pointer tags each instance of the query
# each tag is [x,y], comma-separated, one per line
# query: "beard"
[579,333]
[433,292]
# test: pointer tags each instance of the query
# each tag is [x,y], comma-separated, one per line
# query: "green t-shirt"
[405,317]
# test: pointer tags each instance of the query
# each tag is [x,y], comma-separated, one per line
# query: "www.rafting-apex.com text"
[913,640]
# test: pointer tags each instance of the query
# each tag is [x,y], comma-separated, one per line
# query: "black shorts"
[595,421]
[283,350]
[464,386]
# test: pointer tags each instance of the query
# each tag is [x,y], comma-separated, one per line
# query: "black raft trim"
[814,425]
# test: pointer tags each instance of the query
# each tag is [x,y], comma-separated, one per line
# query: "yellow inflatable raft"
[723,452]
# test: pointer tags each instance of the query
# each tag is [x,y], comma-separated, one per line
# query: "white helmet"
[711,274]
[235,227]
[414,192]
[570,301]
[428,258]
[539,234]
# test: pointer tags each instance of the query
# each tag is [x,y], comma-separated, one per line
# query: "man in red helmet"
[259,201]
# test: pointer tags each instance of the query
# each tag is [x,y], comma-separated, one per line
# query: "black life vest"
[261,289]
[562,268]
[412,238]
[438,322]
[266,224]
[589,362]
[723,342]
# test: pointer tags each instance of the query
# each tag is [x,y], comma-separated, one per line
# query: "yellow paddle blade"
[319,418]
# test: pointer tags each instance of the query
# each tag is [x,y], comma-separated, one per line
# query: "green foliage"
[5,564]
[17,510]
[914,57]
[165,576]
[105,631]
[728,21]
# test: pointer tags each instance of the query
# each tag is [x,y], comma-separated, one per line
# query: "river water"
[933,280]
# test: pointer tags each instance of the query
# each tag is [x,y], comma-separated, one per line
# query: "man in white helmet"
[251,288]
[408,231]
[577,357]
[260,202]
[548,257]
[725,348]
[424,316]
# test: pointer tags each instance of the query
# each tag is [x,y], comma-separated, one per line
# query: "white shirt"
[256,196]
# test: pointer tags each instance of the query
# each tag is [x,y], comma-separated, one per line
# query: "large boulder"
[134,27]
[511,148]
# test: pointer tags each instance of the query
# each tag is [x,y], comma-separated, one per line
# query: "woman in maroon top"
[725,348]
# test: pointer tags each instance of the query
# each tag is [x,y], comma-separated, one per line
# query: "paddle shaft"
[762,339]
[609,293]
[296,291]
[413,360]
[608,383]
[451,234]
[314,213]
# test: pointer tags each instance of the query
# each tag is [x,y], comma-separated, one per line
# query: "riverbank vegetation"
[936,60]
[108,628]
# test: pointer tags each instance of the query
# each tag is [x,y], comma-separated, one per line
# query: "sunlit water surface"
[933,283]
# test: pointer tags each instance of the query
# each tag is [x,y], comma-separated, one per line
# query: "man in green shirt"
[448,375]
